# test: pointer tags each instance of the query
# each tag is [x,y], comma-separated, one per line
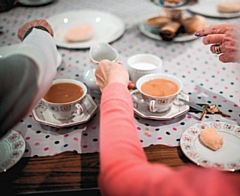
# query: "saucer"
[43,115]
[12,147]
[141,108]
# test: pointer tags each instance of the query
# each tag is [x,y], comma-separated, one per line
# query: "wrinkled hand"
[22,31]
[226,36]
[108,72]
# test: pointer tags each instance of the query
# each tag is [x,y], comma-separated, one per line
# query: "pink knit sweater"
[124,169]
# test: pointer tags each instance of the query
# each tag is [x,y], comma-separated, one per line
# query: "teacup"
[159,91]
[142,64]
[64,97]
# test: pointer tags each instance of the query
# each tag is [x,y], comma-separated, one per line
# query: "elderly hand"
[22,31]
[108,72]
[225,40]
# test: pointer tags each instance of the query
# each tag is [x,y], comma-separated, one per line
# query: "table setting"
[121,27]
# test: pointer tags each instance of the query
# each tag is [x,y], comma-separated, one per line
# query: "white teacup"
[64,98]
[159,100]
[142,64]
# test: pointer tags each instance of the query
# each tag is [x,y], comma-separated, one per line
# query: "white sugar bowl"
[141,64]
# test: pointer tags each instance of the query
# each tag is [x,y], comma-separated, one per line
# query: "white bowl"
[142,64]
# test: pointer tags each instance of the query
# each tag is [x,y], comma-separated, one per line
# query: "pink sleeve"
[124,169]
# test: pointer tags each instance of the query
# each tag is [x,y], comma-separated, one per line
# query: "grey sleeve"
[18,81]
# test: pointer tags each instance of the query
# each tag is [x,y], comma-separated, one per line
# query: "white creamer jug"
[97,53]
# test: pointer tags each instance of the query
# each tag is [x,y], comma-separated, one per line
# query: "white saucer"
[12,147]
[180,38]
[211,9]
[141,108]
[4,50]
[35,2]
[226,158]
[106,27]
[43,115]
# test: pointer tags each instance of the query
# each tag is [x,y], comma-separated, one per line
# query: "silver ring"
[217,49]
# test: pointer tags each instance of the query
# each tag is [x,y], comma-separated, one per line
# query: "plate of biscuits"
[83,28]
[213,144]
[217,9]
[172,26]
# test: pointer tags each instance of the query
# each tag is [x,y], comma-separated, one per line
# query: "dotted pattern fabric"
[204,77]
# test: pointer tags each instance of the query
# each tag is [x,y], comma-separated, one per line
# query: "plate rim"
[45,122]
[194,160]
[181,7]
[36,3]
[220,16]
[80,45]
[144,31]
[22,151]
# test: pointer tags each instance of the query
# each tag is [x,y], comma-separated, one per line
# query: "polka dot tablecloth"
[204,77]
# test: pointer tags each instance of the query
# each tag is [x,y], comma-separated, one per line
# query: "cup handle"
[79,109]
[152,106]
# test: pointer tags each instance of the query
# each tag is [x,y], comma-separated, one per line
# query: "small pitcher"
[97,53]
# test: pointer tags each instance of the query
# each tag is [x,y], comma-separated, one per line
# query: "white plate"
[226,158]
[12,147]
[43,115]
[4,50]
[106,27]
[209,8]
[180,38]
[35,2]
[141,108]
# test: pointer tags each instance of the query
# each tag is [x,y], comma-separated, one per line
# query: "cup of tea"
[159,91]
[64,98]
[141,64]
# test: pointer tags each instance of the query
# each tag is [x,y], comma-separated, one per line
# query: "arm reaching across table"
[124,168]
[26,74]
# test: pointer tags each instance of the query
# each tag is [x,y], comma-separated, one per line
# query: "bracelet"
[31,28]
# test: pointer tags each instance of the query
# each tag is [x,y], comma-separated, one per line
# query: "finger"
[216,49]
[216,29]
[131,85]
[213,39]
[228,58]
[223,58]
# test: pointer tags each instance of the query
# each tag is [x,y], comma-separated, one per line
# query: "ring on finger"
[217,49]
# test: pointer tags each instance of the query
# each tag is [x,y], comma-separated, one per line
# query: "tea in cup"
[64,97]
[142,64]
[159,91]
